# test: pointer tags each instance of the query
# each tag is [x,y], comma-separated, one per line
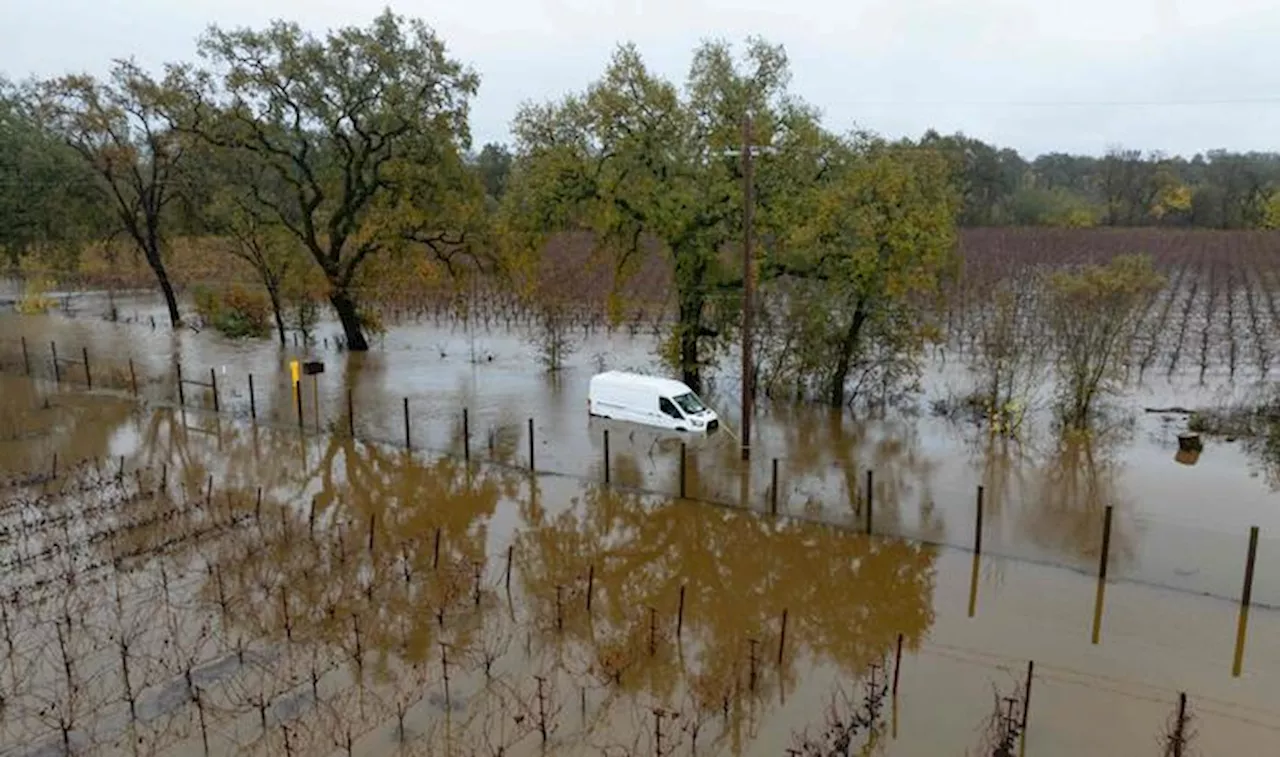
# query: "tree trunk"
[157,267]
[346,309]
[273,291]
[690,324]
[847,345]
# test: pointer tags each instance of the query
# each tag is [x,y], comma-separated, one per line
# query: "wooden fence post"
[26,359]
[1246,598]
[683,468]
[133,378]
[1102,576]
[897,666]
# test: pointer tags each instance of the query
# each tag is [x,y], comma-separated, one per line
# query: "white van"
[649,400]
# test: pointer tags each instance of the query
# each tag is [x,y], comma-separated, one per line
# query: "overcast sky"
[1038,75]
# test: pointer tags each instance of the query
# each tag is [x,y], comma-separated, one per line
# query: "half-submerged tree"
[1091,314]
[117,126]
[871,247]
[634,160]
[364,128]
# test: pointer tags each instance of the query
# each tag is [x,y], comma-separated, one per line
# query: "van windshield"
[690,403]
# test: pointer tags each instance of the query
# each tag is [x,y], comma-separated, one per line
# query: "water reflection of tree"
[72,426]
[818,443]
[847,597]
[1076,483]
[405,502]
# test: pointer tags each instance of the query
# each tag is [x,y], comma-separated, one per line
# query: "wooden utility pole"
[748,273]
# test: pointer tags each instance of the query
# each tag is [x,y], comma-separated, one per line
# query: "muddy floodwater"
[183,581]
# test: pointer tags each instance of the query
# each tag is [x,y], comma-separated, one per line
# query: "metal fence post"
[532,467]
[773,496]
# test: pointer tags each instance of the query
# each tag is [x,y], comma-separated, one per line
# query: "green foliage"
[876,243]
[117,129]
[1058,207]
[494,167]
[356,137]
[49,200]
[635,158]
[236,313]
[1091,314]
[35,299]
[988,176]
[1011,353]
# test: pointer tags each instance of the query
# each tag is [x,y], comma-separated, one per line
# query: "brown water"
[321,609]
[1178,532]
[1176,525]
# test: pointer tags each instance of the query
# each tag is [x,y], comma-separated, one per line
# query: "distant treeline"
[1212,190]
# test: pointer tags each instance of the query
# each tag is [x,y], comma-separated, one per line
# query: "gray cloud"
[1176,75]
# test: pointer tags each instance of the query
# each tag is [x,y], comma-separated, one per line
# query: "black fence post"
[870,498]
[182,396]
[606,455]
[57,375]
[351,414]
[88,375]
[133,378]
[213,383]
[532,467]
[977,528]
[408,445]
[466,435]
[26,359]
[1026,701]
[773,489]
[253,402]
[297,393]
[683,468]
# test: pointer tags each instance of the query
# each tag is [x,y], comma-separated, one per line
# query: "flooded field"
[323,594]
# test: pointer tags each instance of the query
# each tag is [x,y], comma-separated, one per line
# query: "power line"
[1070,103]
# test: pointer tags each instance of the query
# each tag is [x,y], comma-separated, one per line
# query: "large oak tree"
[636,158]
[118,127]
[363,127]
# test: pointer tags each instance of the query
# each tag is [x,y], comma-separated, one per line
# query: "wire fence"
[515,450]
[1150,550]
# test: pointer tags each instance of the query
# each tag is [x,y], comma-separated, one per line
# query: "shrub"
[34,298]
[236,313]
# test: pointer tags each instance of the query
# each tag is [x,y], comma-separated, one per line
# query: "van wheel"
[681,429]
